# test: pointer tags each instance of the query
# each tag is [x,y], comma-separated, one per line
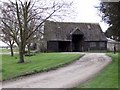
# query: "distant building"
[111,43]
[67,36]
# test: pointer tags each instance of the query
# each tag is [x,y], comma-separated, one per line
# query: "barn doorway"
[77,42]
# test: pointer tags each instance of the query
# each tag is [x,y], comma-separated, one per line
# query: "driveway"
[66,77]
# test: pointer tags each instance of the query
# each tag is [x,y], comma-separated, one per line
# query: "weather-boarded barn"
[67,36]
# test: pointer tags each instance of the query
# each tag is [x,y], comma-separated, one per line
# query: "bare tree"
[27,17]
[6,38]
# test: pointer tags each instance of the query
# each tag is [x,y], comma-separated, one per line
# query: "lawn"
[4,50]
[108,78]
[0,67]
[34,64]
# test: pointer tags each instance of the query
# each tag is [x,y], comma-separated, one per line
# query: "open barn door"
[77,40]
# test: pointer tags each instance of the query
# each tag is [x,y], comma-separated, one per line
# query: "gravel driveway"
[65,77]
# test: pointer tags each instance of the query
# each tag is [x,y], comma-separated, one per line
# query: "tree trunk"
[21,55]
[11,49]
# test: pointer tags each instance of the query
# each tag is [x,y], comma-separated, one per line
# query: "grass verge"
[34,64]
[108,78]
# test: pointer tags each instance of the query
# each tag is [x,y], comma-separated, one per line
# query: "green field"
[0,67]
[34,64]
[7,50]
[108,78]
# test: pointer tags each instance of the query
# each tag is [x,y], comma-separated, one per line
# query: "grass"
[4,50]
[0,67]
[108,78]
[34,64]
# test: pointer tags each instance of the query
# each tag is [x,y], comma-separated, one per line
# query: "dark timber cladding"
[67,36]
[58,46]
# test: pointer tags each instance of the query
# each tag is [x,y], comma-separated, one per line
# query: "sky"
[85,11]
[3,44]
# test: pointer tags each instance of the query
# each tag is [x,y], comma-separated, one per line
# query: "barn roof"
[63,31]
[77,31]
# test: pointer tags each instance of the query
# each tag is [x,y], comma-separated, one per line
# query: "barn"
[74,37]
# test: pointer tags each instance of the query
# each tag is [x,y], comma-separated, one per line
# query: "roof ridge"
[75,22]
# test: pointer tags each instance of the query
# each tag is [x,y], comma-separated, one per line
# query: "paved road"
[65,77]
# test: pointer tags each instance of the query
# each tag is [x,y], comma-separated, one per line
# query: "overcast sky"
[85,11]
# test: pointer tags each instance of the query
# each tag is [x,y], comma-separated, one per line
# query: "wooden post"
[114,49]
[71,46]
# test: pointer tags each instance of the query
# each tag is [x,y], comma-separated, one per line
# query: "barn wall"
[96,45]
[102,45]
[86,46]
[64,46]
[52,46]
[58,46]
